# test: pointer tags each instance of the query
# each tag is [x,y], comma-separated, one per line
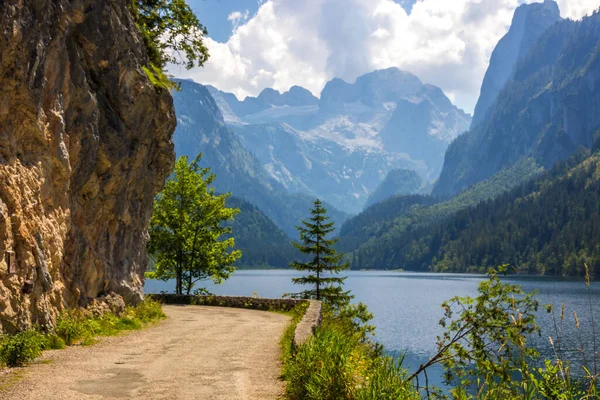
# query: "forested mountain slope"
[549,225]
[262,242]
[380,226]
[397,182]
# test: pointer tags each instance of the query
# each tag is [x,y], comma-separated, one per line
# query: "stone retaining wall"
[309,322]
[254,303]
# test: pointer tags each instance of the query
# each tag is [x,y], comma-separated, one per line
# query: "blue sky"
[255,44]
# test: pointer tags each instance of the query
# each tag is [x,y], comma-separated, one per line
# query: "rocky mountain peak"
[545,111]
[341,146]
[529,22]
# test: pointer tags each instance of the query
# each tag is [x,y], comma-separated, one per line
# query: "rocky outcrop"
[398,182]
[528,24]
[85,144]
[549,109]
[297,96]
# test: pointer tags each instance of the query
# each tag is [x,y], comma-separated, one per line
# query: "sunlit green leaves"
[171,31]
[187,226]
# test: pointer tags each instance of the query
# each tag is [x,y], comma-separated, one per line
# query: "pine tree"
[324,264]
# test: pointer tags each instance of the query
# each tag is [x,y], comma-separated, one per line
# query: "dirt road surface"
[199,353]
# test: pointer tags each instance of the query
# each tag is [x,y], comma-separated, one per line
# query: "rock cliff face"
[528,24]
[85,144]
[549,109]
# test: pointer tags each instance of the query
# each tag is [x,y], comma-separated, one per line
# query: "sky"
[255,44]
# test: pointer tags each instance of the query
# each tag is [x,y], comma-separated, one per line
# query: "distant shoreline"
[509,276]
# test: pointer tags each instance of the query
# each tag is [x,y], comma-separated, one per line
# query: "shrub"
[70,326]
[149,310]
[339,362]
[16,350]
[323,368]
[54,342]
[76,326]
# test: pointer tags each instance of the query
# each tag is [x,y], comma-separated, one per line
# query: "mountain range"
[202,130]
[375,147]
[341,146]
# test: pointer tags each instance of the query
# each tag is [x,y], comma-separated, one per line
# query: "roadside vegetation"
[485,352]
[340,361]
[324,262]
[75,327]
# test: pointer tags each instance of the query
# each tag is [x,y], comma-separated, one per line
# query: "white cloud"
[234,16]
[576,9]
[290,42]
[237,17]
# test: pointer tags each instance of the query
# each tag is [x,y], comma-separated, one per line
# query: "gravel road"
[199,352]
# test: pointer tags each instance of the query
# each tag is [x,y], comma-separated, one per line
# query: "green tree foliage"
[186,229]
[325,261]
[172,34]
[486,353]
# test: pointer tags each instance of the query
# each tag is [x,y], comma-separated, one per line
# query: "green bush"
[148,310]
[323,368]
[128,323]
[386,380]
[71,326]
[54,342]
[340,362]
[18,349]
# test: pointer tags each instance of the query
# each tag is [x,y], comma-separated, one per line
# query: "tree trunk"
[318,291]
[318,259]
[189,286]
[179,273]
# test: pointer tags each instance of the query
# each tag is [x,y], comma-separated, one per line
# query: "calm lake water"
[406,306]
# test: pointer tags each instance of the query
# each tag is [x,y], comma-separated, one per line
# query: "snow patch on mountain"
[341,147]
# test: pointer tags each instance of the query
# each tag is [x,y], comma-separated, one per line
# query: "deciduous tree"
[187,229]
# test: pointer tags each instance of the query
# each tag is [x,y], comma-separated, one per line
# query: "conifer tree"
[324,263]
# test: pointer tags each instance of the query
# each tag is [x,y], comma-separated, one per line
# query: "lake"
[406,306]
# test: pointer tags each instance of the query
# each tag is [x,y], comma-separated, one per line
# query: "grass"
[339,362]
[76,327]
[287,340]
[159,79]
[7,381]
